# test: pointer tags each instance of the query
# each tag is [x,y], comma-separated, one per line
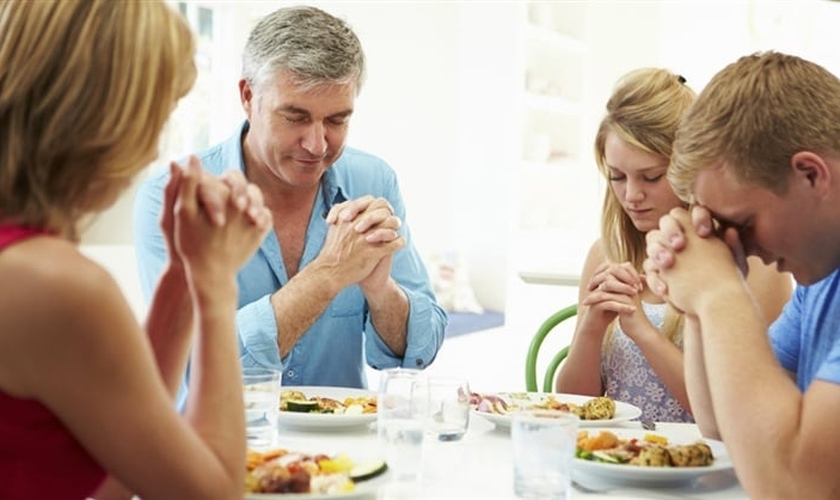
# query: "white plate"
[623,411]
[632,475]
[326,421]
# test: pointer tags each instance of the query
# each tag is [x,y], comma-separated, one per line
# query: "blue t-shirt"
[333,351]
[806,336]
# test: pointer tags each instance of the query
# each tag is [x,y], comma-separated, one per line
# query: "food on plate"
[283,471]
[652,450]
[691,455]
[297,401]
[598,408]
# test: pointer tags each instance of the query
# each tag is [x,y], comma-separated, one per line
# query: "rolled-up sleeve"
[257,327]
[426,319]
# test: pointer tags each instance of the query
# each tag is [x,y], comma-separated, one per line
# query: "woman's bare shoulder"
[594,258]
[54,284]
[58,305]
[47,265]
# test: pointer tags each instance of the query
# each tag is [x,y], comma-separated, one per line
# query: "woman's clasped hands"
[615,290]
[212,223]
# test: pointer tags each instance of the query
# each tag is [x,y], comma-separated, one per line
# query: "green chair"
[534,349]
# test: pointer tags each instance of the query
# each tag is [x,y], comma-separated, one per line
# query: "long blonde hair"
[644,111]
[86,88]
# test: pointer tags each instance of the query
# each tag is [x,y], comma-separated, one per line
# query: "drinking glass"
[401,423]
[543,452]
[262,404]
[447,401]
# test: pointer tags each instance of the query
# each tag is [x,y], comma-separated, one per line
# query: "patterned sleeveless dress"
[628,376]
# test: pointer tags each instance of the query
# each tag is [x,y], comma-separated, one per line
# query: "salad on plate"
[283,471]
[500,407]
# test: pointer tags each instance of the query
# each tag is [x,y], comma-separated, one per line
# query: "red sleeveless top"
[39,458]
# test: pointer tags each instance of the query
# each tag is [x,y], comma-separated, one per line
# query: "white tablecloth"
[480,465]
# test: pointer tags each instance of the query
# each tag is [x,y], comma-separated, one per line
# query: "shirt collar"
[331,191]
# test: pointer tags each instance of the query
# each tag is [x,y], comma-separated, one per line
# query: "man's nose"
[315,139]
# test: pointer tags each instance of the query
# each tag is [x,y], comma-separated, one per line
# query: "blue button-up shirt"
[333,351]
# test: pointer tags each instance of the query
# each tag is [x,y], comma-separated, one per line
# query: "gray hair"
[316,47]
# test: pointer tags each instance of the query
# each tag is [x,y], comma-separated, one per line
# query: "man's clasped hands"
[689,253]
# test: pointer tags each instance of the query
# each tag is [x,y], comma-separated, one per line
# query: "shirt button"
[290,373]
[418,362]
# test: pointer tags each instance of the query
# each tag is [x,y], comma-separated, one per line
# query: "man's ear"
[811,168]
[246,95]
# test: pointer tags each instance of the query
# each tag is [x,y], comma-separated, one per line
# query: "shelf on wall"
[555,221]
[549,278]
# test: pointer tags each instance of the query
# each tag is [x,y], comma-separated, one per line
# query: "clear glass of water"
[543,453]
[401,423]
[447,401]
[262,404]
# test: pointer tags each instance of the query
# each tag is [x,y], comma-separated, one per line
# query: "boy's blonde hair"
[753,116]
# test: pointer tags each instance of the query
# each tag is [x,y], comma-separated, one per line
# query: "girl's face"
[638,180]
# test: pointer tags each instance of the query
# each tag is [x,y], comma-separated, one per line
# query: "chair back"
[534,349]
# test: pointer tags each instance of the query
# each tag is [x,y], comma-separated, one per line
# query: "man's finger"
[701,219]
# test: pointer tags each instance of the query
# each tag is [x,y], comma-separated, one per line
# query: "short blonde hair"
[86,88]
[753,116]
[644,110]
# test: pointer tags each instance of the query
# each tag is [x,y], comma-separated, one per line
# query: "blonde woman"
[628,342]
[86,394]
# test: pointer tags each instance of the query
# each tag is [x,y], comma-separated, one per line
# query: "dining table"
[480,465]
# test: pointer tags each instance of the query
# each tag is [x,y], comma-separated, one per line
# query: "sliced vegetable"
[605,457]
[301,405]
[368,470]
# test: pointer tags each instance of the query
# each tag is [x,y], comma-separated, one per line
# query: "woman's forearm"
[169,326]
